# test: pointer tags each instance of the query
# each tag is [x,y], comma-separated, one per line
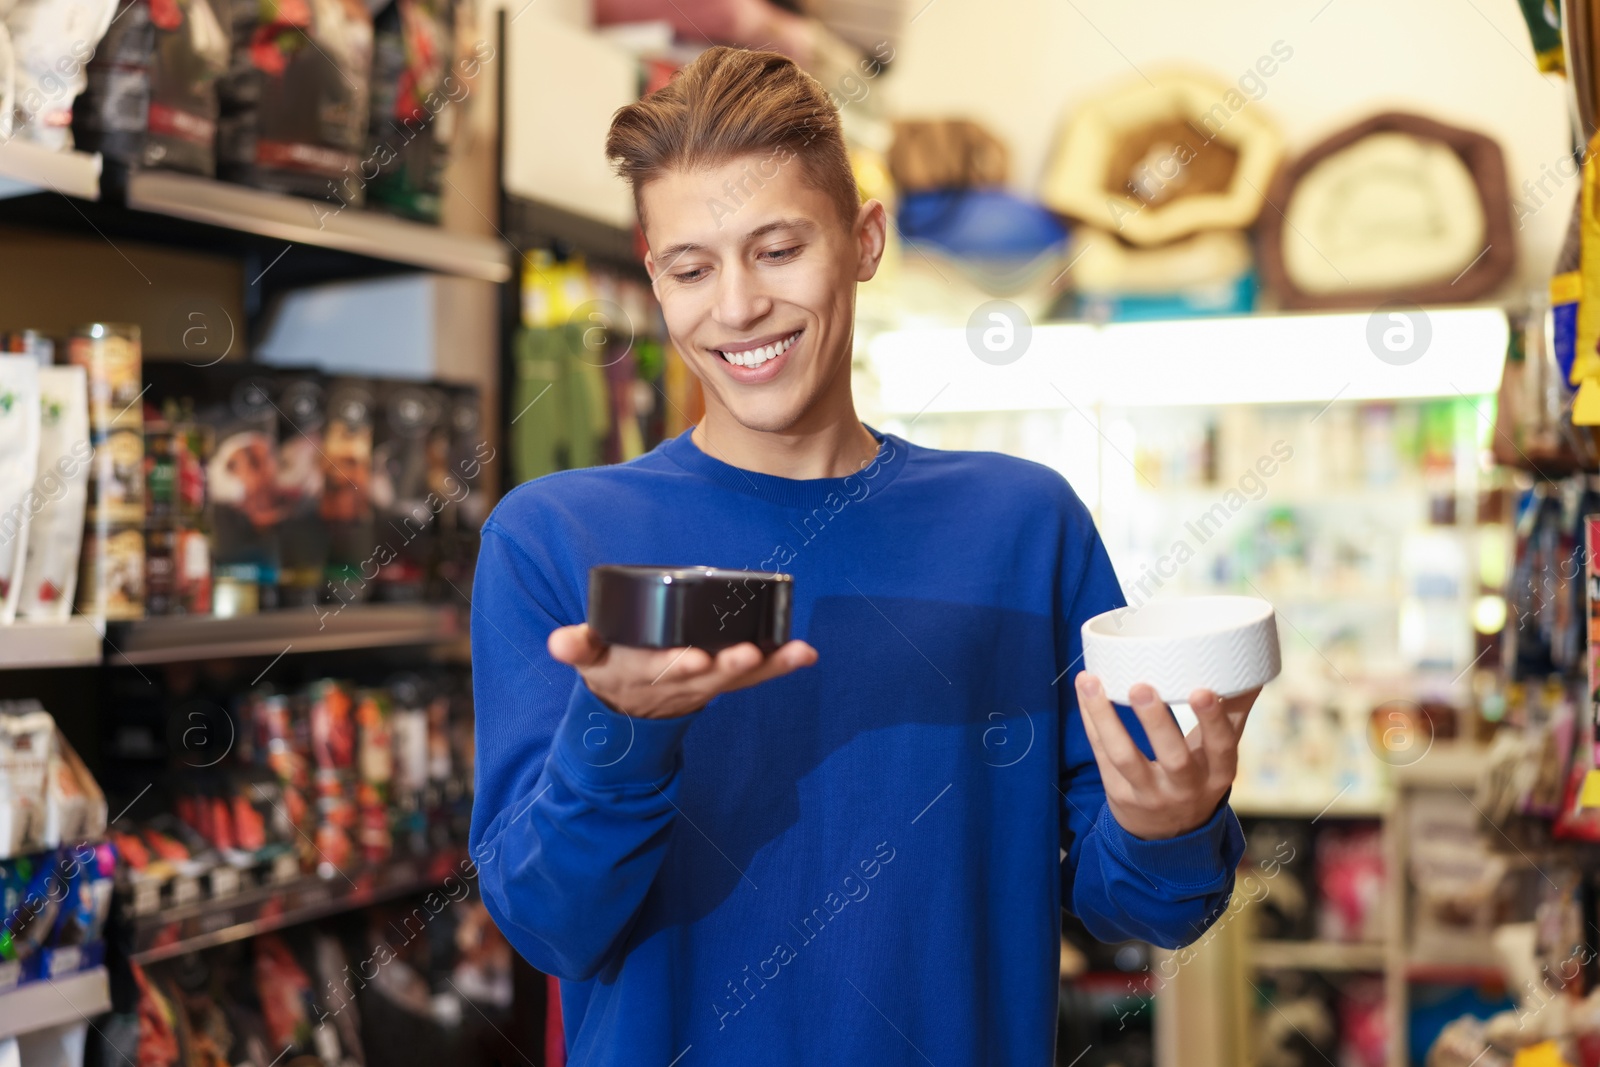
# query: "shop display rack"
[72,192]
[27,168]
[287,218]
[76,642]
[179,638]
[1319,956]
[250,912]
[87,642]
[54,1002]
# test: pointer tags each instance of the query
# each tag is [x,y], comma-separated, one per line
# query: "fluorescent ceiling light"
[1252,359]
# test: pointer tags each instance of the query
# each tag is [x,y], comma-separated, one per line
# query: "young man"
[849,851]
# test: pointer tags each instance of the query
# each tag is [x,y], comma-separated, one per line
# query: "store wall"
[1022,65]
[181,300]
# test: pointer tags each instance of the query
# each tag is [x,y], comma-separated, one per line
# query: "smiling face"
[756,278]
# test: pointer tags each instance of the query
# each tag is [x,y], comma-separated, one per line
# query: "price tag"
[146,896]
[185,890]
[65,960]
[314,896]
[285,868]
[211,922]
[224,880]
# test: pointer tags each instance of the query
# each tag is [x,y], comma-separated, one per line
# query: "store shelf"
[26,168]
[264,909]
[181,638]
[1261,807]
[1446,765]
[52,1002]
[311,222]
[1318,956]
[1448,973]
[74,643]
[1188,362]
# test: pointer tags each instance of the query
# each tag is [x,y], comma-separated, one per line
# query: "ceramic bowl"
[707,607]
[1228,644]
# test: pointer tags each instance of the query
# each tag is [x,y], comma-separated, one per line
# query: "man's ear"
[650,266]
[871,228]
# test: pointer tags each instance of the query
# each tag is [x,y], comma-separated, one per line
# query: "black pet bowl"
[707,607]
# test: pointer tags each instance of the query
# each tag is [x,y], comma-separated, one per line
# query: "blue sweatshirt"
[862,862]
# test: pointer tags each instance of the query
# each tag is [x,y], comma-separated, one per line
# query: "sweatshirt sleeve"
[574,801]
[1166,892]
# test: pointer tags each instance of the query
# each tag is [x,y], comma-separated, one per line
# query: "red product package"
[333,726]
[1362,1023]
[285,993]
[158,1038]
[1350,880]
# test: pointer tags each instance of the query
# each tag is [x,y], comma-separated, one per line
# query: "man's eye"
[690,275]
[781,254]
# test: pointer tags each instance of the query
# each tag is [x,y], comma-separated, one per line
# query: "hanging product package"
[415,100]
[151,98]
[50,573]
[295,100]
[19,461]
[52,42]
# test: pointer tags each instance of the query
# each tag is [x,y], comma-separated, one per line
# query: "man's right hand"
[663,683]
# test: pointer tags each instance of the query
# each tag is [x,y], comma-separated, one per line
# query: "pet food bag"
[19,462]
[50,573]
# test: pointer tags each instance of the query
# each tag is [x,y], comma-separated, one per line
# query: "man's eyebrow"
[676,251]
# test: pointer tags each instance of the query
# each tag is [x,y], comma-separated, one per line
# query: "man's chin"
[773,417]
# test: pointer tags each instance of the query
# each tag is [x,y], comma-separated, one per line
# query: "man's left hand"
[1180,789]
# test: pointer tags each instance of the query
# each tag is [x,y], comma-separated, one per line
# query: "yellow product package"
[1586,360]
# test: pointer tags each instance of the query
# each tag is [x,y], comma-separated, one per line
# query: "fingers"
[1107,734]
[1166,739]
[781,661]
[1214,735]
[577,646]
[1238,707]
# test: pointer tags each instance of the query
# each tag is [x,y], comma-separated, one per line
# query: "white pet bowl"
[1228,644]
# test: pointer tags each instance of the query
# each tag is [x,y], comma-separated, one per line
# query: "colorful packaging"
[295,119]
[466,504]
[288,1004]
[333,726]
[111,584]
[151,98]
[60,495]
[243,506]
[1350,880]
[414,106]
[1579,818]
[346,505]
[302,535]
[403,499]
[27,743]
[1585,372]
[110,354]
[19,464]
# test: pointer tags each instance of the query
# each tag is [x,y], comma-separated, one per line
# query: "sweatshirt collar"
[791,492]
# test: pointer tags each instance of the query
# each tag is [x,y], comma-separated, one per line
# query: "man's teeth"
[756,356]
